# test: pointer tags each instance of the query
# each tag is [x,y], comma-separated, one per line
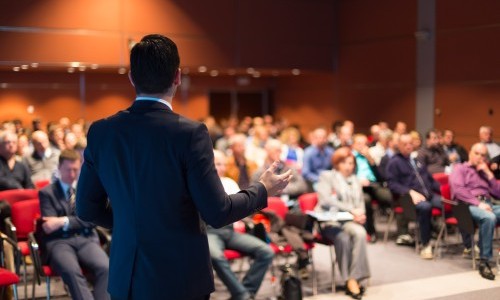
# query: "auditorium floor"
[397,273]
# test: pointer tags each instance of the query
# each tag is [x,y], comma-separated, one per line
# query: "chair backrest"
[446,194]
[24,214]
[308,201]
[13,196]
[276,205]
[40,184]
[464,218]
[442,178]
[409,209]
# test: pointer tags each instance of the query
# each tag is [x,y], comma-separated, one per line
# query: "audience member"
[433,155]
[473,183]
[222,143]
[56,137]
[374,135]
[407,176]
[486,137]
[297,184]
[43,161]
[345,136]
[367,174]
[340,190]
[255,143]
[379,149]
[456,153]
[226,238]
[333,136]
[400,127]
[239,168]
[416,140]
[72,244]
[13,173]
[317,157]
[292,153]
[70,140]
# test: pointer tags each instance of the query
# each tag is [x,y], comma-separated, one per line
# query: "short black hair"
[154,62]
[430,131]
[69,155]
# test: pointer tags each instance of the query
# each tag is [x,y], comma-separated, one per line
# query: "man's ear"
[130,79]
[177,79]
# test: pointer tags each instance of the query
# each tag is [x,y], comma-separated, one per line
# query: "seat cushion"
[7,277]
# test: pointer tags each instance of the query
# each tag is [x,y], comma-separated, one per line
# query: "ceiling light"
[34,65]
[74,64]
[94,66]
[82,68]
[295,72]
[256,74]
[24,67]
[122,70]
[250,70]
[214,73]
[202,69]
[71,70]
[185,71]
[16,69]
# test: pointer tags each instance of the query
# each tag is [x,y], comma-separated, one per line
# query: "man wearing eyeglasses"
[473,183]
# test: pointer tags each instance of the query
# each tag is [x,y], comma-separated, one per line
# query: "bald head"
[40,141]
[478,153]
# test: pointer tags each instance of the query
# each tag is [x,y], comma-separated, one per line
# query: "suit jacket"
[157,169]
[53,203]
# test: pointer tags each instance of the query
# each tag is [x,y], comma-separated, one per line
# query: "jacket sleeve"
[91,199]
[392,172]
[215,206]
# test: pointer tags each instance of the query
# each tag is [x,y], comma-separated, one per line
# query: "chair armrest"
[35,256]
[10,229]
[16,252]
[104,238]
[448,201]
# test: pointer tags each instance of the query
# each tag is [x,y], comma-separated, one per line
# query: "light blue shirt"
[315,161]
[364,171]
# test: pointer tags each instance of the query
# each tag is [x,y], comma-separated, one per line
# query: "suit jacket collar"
[144,105]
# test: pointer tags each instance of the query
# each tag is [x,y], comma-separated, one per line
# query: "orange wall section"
[467,67]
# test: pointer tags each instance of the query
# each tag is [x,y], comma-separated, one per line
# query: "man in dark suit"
[72,244]
[156,167]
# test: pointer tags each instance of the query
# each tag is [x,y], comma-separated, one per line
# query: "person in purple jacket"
[473,183]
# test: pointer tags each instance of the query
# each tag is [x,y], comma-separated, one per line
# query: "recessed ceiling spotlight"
[82,68]
[34,65]
[295,72]
[256,74]
[16,69]
[202,69]
[71,70]
[94,66]
[3,85]
[122,70]
[74,64]
[250,70]
[24,67]
[214,73]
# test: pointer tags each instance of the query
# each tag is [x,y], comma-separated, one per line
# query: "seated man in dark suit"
[72,244]
[13,173]
[407,176]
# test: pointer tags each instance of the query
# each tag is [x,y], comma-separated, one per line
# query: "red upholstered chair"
[7,277]
[40,184]
[20,224]
[442,178]
[17,195]
[307,203]
[449,219]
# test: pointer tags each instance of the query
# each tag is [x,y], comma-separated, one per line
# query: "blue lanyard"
[155,99]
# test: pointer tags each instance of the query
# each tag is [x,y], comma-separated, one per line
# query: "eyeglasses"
[480,153]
